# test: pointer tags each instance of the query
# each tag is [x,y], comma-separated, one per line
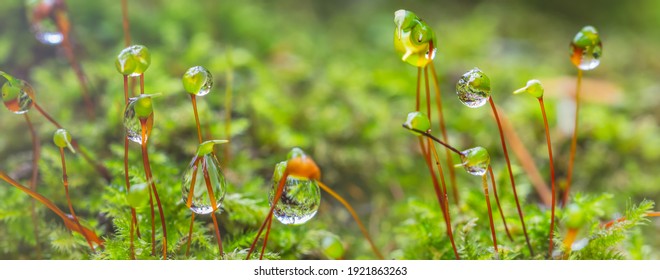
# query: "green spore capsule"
[206,148]
[533,88]
[42,15]
[201,201]
[586,49]
[133,60]
[17,95]
[475,161]
[473,88]
[414,40]
[419,121]
[138,195]
[62,139]
[300,198]
[198,81]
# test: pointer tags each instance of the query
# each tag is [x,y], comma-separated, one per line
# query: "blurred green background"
[323,76]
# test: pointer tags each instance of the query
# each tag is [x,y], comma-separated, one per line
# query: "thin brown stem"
[428,93]
[355,216]
[571,159]
[125,23]
[552,177]
[142,83]
[497,200]
[508,165]
[65,181]
[435,139]
[417,93]
[152,221]
[440,197]
[192,221]
[147,169]
[214,205]
[443,130]
[194,105]
[263,248]
[64,26]
[68,222]
[490,212]
[276,199]
[36,153]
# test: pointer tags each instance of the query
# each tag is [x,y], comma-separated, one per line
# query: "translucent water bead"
[139,113]
[200,199]
[203,185]
[300,198]
[17,95]
[417,121]
[414,40]
[198,81]
[473,88]
[42,15]
[586,49]
[133,60]
[475,161]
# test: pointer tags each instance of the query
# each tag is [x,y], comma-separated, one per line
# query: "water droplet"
[133,60]
[473,88]
[414,40]
[200,200]
[418,121]
[475,161]
[332,246]
[300,198]
[43,16]
[586,49]
[133,123]
[17,95]
[198,81]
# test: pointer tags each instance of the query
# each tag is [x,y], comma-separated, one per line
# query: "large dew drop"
[475,161]
[17,95]
[44,16]
[586,49]
[133,60]
[133,124]
[201,201]
[414,40]
[300,198]
[198,81]
[473,88]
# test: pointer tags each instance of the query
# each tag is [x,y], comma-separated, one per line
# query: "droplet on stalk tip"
[586,49]
[43,16]
[300,198]
[200,202]
[198,81]
[418,121]
[473,88]
[138,112]
[133,60]
[332,247]
[17,95]
[414,40]
[475,161]
[62,139]
[533,88]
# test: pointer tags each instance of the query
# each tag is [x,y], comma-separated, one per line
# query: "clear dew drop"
[473,88]
[586,49]
[201,197]
[475,161]
[414,40]
[17,96]
[198,81]
[300,198]
[132,124]
[586,58]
